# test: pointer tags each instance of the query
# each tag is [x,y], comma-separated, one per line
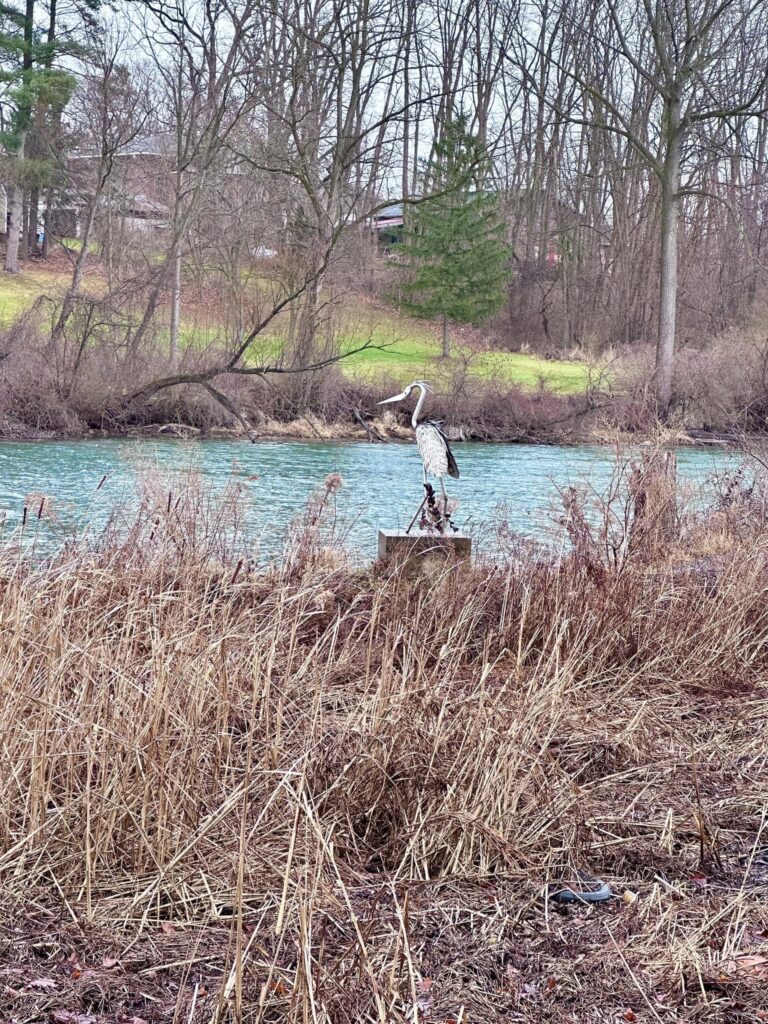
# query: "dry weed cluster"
[39,396]
[334,795]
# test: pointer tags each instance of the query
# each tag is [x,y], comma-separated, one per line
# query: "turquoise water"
[85,480]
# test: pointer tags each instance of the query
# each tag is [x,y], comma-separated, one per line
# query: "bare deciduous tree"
[685,58]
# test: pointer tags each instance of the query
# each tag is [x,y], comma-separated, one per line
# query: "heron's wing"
[453,469]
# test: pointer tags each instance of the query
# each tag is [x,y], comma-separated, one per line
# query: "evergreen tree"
[454,245]
[33,86]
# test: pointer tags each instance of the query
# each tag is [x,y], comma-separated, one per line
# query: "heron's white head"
[404,394]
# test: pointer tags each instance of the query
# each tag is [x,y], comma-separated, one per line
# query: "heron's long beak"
[395,398]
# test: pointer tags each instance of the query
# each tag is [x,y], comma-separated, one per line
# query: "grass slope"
[402,348]
[408,349]
[19,291]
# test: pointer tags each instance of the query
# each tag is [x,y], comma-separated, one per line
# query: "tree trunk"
[14,230]
[109,243]
[34,213]
[446,353]
[175,306]
[73,291]
[47,219]
[670,215]
[406,169]
[307,326]
[54,135]
[23,247]
[17,234]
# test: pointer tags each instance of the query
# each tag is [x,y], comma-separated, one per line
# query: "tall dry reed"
[337,795]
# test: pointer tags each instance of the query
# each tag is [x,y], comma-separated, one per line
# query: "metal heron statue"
[436,455]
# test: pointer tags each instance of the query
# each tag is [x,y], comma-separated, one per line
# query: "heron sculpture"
[436,455]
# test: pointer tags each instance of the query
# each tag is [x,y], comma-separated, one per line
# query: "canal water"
[85,481]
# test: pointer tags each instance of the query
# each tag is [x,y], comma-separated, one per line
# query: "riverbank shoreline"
[377,432]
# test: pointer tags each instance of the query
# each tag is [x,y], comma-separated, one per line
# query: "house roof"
[149,145]
[157,145]
[395,210]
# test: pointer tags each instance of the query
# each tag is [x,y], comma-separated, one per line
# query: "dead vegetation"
[325,794]
[41,395]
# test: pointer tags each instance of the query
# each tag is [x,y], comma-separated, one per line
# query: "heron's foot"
[447,517]
[435,515]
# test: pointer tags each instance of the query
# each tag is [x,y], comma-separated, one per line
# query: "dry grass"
[336,795]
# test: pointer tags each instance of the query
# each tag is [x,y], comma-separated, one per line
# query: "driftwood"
[180,430]
[373,434]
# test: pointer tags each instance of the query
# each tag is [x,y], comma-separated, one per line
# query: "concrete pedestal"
[424,553]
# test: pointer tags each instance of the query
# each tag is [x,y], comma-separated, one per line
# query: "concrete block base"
[424,553]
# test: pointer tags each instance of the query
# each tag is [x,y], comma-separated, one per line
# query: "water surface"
[381,482]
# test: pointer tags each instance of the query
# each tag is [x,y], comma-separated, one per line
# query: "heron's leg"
[445,498]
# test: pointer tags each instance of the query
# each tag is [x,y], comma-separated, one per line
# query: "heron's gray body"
[435,451]
[436,455]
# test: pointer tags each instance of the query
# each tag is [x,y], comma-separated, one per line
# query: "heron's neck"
[417,410]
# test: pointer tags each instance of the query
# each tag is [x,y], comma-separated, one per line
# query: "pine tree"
[33,86]
[454,249]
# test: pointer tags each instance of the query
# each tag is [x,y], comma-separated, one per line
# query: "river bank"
[380,431]
[110,398]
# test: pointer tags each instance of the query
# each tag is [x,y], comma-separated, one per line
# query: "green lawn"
[401,348]
[76,244]
[411,358]
[408,349]
[19,291]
